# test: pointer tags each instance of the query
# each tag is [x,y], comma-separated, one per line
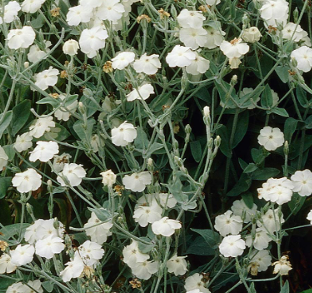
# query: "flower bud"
[234,80]
[71,47]
[206,111]
[217,141]
[109,178]
[188,129]
[26,64]
[251,35]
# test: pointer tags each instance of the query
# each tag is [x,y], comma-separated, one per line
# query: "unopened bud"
[150,162]
[81,108]
[217,141]
[206,111]
[29,209]
[188,129]
[234,80]
[26,64]
[286,148]
[296,14]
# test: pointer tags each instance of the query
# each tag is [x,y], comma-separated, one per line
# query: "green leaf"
[9,231]
[282,72]
[5,122]
[223,90]
[248,199]
[241,128]
[258,155]
[296,203]
[141,141]
[5,182]
[196,150]
[250,168]
[155,148]
[279,111]
[224,147]
[264,174]
[307,291]
[5,283]
[48,285]
[302,97]
[5,215]
[212,238]
[58,132]
[285,288]
[176,190]
[241,186]
[49,101]
[37,22]
[102,214]
[266,97]
[84,132]
[199,247]
[290,127]
[21,113]
[242,163]
[145,248]
[10,151]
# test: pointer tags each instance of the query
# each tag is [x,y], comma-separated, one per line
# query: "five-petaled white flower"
[137,181]
[302,181]
[27,181]
[22,254]
[271,138]
[143,92]
[46,78]
[147,64]
[165,227]
[234,48]
[44,151]
[303,57]
[123,134]
[122,60]
[180,56]
[177,265]
[73,173]
[232,246]
[21,38]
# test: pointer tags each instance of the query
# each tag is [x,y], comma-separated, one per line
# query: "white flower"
[144,270]
[44,151]
[36,54]
[97,230]
[10,11]
[31,6]
[302,181]
[270,221]
[63,113]
[198,66]
[309,217]
[90,252]
[232,246]
[46,78]
[234,48]
[143,92]
[70,47]
[191,19]
[239,208]
[147,64]
[132,255]
[303,57]
[165,227]
[109,178]
[260,261]
[214,38]
[195,282]
[90,3]
[234,62]
[36,285]
[261,240]
[31,234]
[17,288]
[23,142]
[21,38]
[42,125]
[22,254]
[228,223]
[193,37]
[251,35]
[276,190]
[177,265]
[59,161]
[147,214]
[49,246]
[111,10]
[6,266]
[122,60]
[78,14]
[73,173]
[294,32]
[271,138]
[27,181]
[283,266]
[180,56]
[3,158]
[137,181]
[167,200]
[74,268]
[274,12]
[91,40]
[123,134]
